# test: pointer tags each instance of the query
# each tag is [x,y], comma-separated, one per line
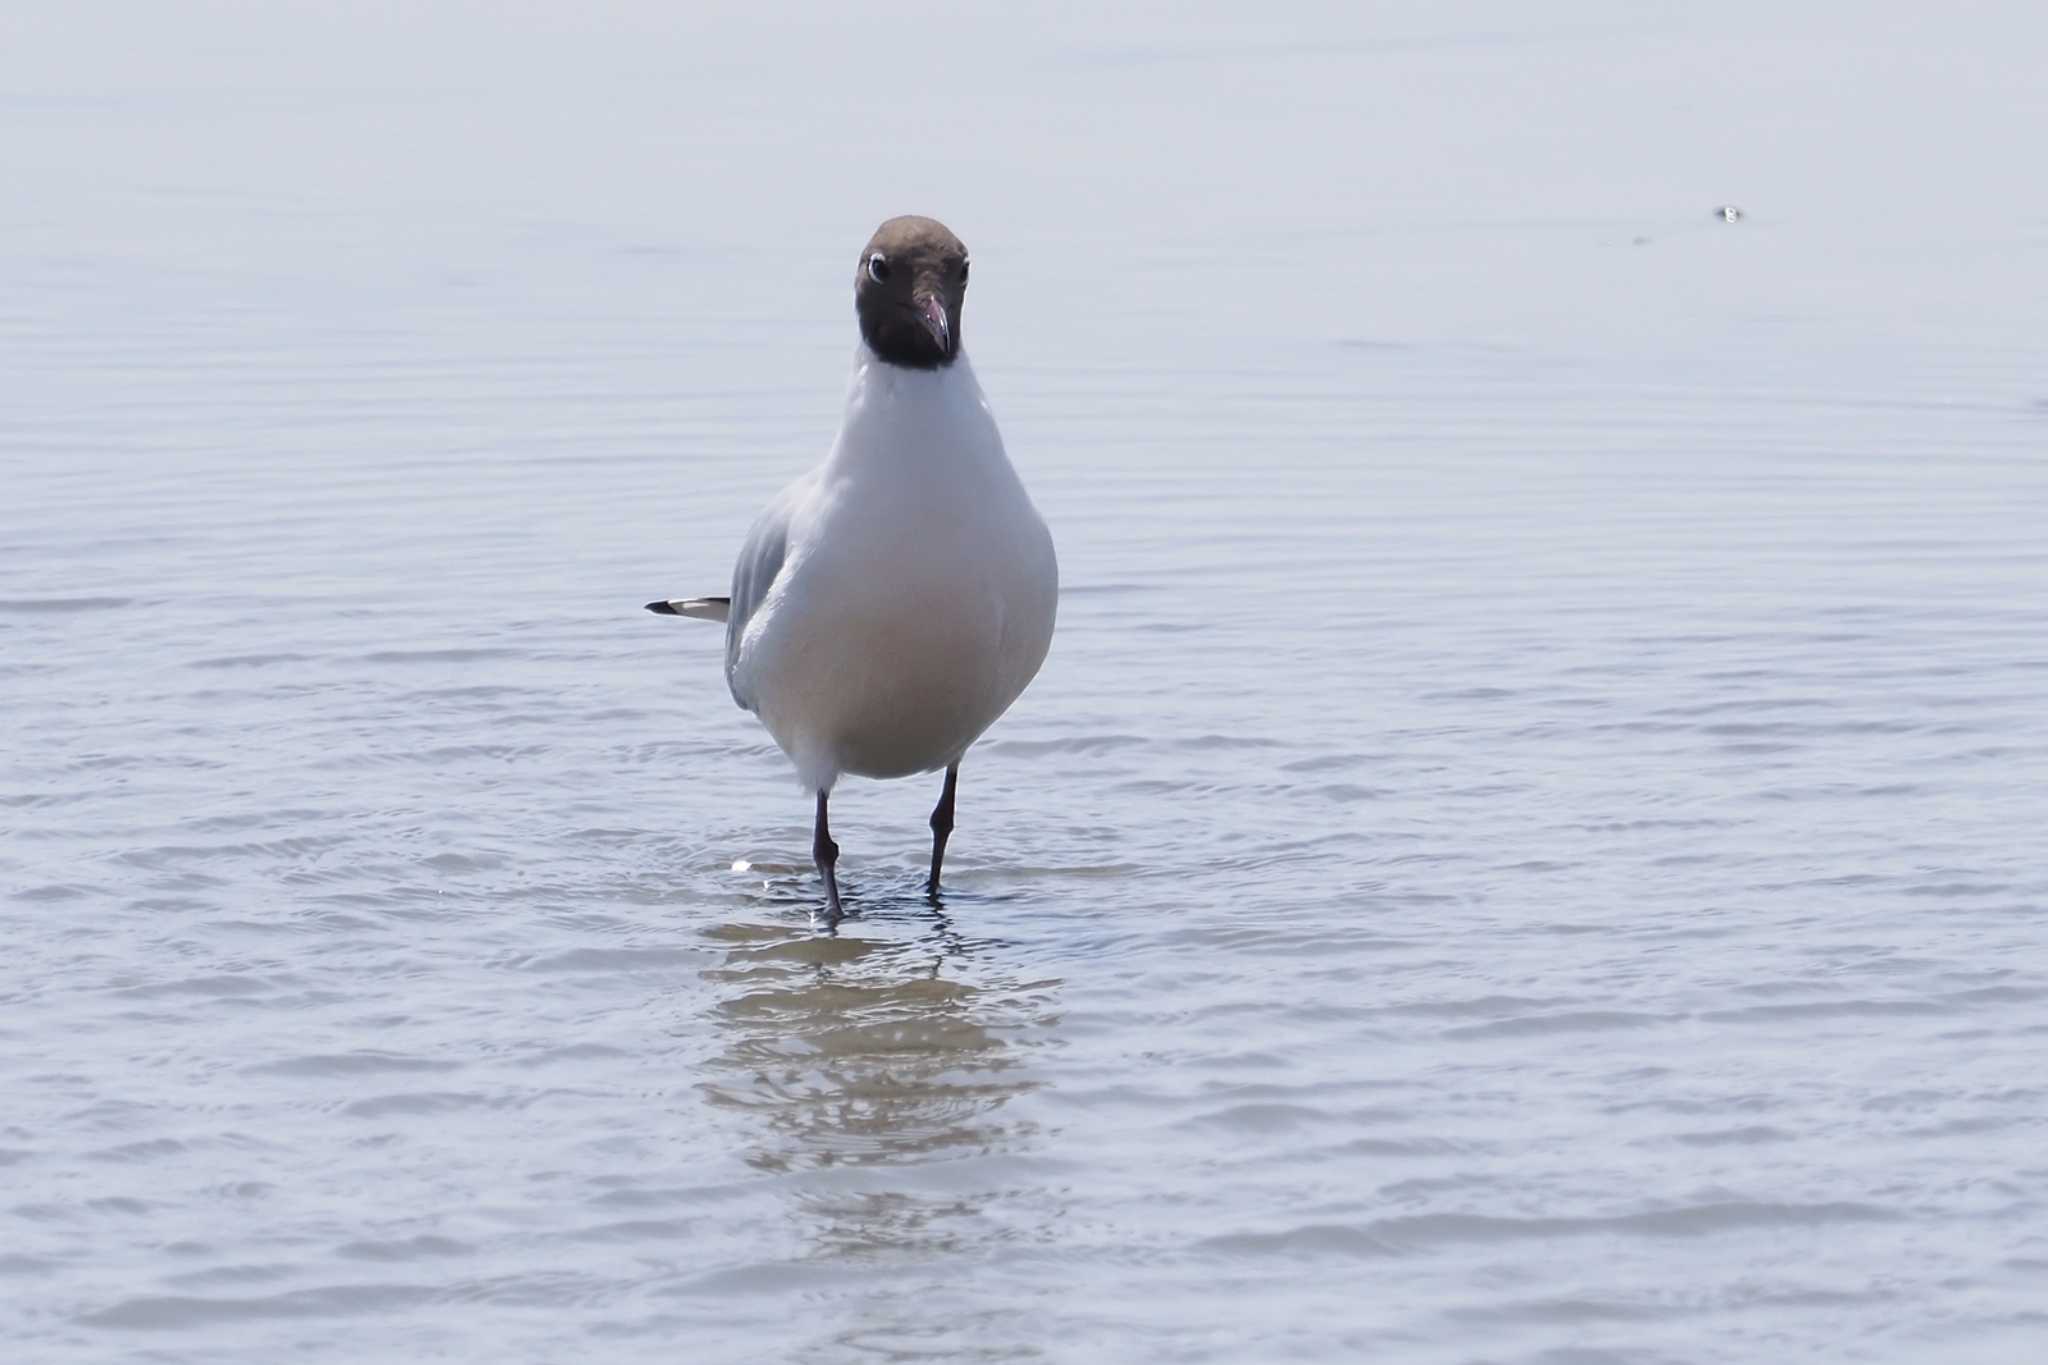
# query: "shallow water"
[1526,847]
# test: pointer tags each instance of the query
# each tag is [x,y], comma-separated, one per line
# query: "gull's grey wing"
[753,574]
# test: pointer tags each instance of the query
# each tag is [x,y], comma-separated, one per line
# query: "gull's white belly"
[916,592]
[897,667]
[893,687]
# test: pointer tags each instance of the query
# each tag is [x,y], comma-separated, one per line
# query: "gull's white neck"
[901,416]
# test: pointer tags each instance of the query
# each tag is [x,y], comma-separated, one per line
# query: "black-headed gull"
[889,605]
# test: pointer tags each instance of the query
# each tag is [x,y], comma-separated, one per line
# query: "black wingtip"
[662,609]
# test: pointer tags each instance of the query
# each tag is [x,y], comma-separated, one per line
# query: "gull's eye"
[963,270]
[878,267]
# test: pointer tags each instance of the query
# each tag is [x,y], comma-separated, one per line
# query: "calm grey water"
[1527,846]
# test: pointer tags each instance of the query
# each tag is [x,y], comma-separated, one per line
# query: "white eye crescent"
[878,267]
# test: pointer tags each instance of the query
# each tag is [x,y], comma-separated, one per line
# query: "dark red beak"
[932,313]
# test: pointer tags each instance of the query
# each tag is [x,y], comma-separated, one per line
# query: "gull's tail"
[703,608]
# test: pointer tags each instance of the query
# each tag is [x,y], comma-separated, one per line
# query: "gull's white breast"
[917,590]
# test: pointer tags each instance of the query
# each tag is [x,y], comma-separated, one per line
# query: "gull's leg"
[826,854]
[942,827]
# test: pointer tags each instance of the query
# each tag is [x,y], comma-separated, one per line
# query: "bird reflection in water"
[884,1064]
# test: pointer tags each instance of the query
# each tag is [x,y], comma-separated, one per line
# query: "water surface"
[1526,847]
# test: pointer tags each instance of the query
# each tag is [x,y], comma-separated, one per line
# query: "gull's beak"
[931,311]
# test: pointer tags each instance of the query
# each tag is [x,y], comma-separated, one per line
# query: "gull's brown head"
[909,290]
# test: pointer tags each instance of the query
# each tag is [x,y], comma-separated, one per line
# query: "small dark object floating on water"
[1728,213]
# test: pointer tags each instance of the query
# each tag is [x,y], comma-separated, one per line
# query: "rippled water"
[1527,846]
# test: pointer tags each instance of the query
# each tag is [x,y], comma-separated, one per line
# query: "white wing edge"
[699,608]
